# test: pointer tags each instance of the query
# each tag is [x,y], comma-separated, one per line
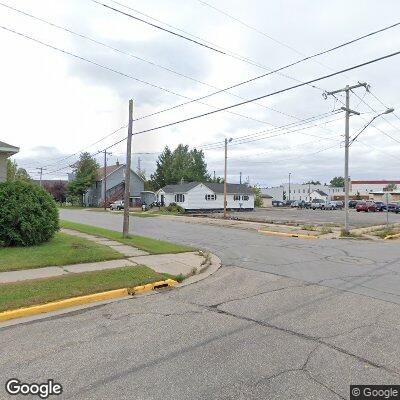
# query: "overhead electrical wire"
[266,95]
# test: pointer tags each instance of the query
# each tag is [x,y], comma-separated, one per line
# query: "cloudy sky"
[54,105]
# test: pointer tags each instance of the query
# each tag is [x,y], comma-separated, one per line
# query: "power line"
[130,77]
[291,47]
[380,130]
[267,95]
[159,27]
[135,57]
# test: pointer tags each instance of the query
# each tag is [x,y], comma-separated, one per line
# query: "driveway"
[282,319]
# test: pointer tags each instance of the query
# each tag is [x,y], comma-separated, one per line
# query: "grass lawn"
[152,246]
[386,232]
[61,250]
[38,291]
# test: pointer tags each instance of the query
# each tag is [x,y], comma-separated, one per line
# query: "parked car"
[366,206]
[299,204]
[333,205]
[380,206]
[277,203]
[288,203]
[117,205]
[317,204]
[353,203]
[394,207]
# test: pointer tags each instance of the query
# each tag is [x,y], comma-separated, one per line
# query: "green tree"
[337,181]
[15,173]
[391,186]
[312,183]
[181,164]
[257,196]
[86,174]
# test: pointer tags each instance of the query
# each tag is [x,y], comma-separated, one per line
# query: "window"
[210,197]
[179,198]
[245,197]
[236,197]
[304,190]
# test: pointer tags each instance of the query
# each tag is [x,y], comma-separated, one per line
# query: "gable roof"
[110,169]
[232,188]
[7,148]
[320,192]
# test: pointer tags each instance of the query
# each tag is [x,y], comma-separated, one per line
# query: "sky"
[55,105]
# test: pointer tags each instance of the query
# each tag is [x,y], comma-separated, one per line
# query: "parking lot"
[316,217]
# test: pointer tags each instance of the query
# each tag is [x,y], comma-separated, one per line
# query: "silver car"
[117,205]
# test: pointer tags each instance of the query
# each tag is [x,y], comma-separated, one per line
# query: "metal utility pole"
[105,178]
[214,176]
[125,229]
[41,169]
[226,162]
[240,177]
[138,165]
[289,184]
[225,174]
[347,90]
[387,210]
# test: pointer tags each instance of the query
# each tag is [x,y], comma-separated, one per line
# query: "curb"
[284,234]
[80,300]
[396,236]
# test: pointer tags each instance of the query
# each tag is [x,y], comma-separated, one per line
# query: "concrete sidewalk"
[173,264]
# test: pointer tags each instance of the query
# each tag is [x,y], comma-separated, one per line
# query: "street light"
[347,145]
[388,111]
[289,184]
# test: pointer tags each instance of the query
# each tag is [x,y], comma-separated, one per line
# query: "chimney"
[117,163]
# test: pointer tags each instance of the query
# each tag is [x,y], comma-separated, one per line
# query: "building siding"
[195,199]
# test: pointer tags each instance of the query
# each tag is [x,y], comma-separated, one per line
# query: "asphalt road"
[320,217]
[282,319]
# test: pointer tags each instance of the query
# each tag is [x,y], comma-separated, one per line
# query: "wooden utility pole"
[40,174]
[349,111]
[125,229]
[105,179]
[225,173]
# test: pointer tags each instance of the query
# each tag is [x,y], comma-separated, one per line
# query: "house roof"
[266,196]
[382,182]
[110,169]
[7,148]
[232,188]
[320,192]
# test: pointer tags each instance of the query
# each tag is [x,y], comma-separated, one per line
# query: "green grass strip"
[61,250]
[152,246]
[39,291]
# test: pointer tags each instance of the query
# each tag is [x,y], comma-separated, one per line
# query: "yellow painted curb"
[151,286]
[397,235]
[76,301]
[284,234]
[57,305]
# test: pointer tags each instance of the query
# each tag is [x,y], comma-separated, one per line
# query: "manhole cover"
[350,260]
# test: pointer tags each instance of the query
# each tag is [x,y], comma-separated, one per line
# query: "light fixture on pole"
[289,184]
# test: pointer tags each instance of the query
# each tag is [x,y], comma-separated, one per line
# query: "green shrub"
[173,207]
[28,214]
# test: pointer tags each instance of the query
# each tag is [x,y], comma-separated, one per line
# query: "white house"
[6,151]
[195,196]
[319,194]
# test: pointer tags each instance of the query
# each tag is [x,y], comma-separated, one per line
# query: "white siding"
[195,199]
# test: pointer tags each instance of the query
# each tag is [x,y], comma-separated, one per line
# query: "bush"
[173,207]
[28,214]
